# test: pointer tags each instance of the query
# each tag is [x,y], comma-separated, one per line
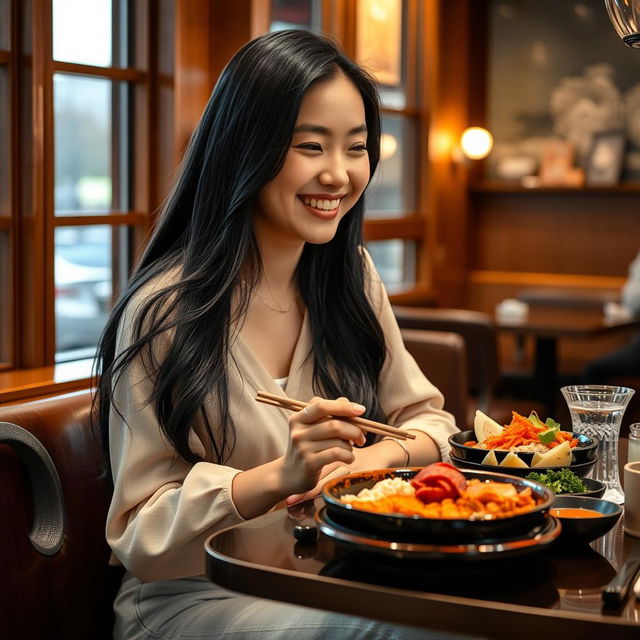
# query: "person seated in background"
[624,361]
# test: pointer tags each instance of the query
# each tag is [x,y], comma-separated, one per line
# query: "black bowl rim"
[590,462]
[541,507]
[600,486]
[589,503]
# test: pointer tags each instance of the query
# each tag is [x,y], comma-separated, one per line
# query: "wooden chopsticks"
[366,425]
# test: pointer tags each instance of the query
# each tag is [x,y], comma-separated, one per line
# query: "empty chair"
[441,356]
[478,332]
[55,581]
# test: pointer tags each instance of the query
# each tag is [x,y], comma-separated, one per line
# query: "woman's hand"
[319,444]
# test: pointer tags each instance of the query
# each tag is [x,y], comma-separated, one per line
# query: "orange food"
[522,432]
[480,500]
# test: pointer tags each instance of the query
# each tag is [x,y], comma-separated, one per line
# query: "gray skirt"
[196,609]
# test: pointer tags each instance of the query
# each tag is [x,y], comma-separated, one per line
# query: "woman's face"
[325,171]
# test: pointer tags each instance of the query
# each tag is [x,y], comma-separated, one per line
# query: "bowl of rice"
[382,503]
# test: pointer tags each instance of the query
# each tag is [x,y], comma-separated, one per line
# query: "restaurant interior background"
[98,99]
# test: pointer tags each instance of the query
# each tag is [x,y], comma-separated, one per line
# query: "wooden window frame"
[29,345]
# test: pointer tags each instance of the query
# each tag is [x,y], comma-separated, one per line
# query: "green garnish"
[548,436]
[564,481]
[549,428]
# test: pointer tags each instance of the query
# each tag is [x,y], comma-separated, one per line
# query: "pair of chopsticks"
[366,425]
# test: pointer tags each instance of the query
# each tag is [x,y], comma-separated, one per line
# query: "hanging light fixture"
[625,16]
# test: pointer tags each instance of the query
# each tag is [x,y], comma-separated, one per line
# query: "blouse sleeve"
[162,508]
[407,397]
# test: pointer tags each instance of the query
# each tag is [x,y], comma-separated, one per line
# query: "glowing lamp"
[476,143]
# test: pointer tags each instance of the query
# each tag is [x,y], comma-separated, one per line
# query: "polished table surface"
[555,593]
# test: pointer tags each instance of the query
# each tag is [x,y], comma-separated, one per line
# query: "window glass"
[82,31]
[5,24]
[380,47]
[5,144]
[296,14]
[83,288]
[395,261]
[392,192]
[83,144]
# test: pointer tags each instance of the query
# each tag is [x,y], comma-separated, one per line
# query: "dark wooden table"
[552,594]
[547,325]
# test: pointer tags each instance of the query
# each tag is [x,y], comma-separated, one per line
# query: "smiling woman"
[255,278]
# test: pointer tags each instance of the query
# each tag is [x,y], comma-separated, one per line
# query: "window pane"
[296,14]
[5,145]
[392,192]
[83,287]
[380,47]
[395,261]
[82,31]
[83,144]
[5,25]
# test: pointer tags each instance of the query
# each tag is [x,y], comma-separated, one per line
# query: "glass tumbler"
[596,411]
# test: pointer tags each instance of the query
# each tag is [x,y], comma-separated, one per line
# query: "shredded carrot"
[521,431]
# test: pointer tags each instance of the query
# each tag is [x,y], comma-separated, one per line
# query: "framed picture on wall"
[606,158]
[556,163]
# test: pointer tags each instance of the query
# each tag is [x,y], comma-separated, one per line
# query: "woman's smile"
[324,206]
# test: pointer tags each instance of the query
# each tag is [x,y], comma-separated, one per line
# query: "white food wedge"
[484,427]
[512,460]
[536,458]
[559,456]
[490,458]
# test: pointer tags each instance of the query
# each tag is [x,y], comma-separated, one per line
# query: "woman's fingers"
[317,413]
[321,408]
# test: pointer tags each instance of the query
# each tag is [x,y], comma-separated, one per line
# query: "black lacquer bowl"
[581,470]
[417,528]
[585,450]
[585,530]
[595,489]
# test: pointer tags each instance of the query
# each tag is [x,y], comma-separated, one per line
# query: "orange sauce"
[575,513]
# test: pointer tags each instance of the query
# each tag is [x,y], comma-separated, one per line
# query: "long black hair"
[205,235]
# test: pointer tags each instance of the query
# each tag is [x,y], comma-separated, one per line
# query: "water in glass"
[596,411]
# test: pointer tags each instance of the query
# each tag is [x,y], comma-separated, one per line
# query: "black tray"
[536,538]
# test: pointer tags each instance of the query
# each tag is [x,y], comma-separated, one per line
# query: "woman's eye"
[359,148]
[309,146]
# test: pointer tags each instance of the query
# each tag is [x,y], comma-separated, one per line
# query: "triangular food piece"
[512,460]
[484,427]
[490,458]
[559,456]
[536,458]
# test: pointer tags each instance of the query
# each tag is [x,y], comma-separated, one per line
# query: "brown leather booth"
[55,582]
[477,330]
[441,355]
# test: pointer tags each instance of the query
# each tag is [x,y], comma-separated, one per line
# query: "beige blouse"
[163,509]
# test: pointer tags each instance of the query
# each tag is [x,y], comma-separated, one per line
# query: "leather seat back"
[54,578]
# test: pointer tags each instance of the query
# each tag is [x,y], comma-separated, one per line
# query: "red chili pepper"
[438,481]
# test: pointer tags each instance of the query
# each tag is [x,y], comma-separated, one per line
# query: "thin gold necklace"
[278,307]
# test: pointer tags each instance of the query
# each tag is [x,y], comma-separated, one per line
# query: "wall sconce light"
[475,143]
[625,16]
